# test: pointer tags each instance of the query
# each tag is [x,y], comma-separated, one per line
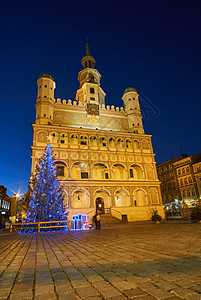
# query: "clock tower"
[90,93]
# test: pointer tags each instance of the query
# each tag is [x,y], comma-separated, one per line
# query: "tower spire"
[87,48]
[88,61]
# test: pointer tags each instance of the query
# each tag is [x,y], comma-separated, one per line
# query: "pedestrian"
[98,220]
[95,219]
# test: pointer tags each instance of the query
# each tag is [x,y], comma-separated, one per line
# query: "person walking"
[95,220]
[98,220]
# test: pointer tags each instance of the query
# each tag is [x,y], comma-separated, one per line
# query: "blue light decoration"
[80,222]
[47,196]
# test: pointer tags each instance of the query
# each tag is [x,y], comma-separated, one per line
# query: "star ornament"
[49,138]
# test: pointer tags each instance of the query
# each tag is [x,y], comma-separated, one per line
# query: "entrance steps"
[108,220]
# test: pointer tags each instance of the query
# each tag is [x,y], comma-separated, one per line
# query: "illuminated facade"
[104,159]
[180,179]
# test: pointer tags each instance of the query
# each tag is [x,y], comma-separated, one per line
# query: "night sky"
[154,46]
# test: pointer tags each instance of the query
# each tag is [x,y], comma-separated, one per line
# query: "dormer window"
[92,91]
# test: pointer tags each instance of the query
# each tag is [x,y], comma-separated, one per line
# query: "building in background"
[5,206]
[104,159]
[179,178]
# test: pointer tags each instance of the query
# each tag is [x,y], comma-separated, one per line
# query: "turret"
[45,99]
[89,78]
[132,107]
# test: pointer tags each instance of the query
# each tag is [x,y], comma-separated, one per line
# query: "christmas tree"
[47,196]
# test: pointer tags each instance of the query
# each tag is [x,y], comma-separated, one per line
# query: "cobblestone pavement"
[132,261]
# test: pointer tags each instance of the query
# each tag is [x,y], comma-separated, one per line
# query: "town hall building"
[104,159]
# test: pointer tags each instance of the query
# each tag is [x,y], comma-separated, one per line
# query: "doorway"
[100,205]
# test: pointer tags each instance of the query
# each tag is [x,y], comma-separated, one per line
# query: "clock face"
[93,109]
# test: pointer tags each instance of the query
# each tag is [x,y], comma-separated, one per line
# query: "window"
[62,142]
[187,169]
[45,86]
[106,176]
[59,170]
[91,98]
[131,173]
[183,170]
[133,125]
[83,140]
[45,96]
[179,172]
[92,91]
[129,99]
[133,98]
[193,192]
[84,174]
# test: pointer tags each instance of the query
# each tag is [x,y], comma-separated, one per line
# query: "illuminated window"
[84,174]
[60,171]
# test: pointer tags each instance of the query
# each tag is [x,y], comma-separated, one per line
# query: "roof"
[129,89]
[46,75]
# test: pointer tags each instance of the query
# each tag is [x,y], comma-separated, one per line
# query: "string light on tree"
[47,196]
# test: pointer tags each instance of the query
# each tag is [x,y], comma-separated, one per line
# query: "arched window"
[60,168]
[119,171]
[64,138]
[136,172]
[83,140]
[103,142]
[54,136]
[93,141]
[128,144]
[136,144]
[120,143]
[79,170]
[100,171]
[145,145]
[74,139]
[111,142]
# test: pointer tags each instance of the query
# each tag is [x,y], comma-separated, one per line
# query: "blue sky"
[153,46]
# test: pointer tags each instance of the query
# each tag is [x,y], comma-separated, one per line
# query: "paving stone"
[48,296]
[44,289]
[21,295]
[110,292]
[134,292]
[87,291]
[101,285]
[182,292]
